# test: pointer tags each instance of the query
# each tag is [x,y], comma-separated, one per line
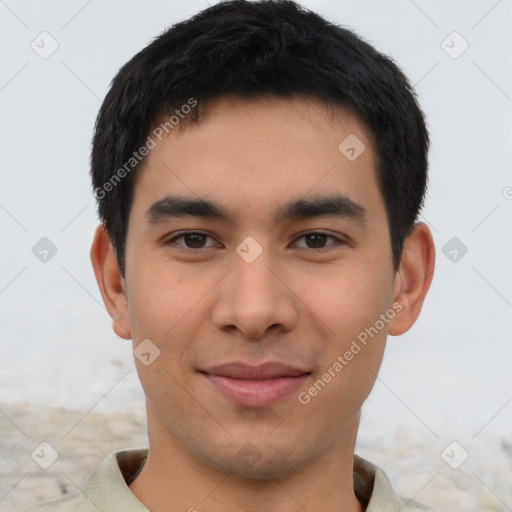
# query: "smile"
[259,386]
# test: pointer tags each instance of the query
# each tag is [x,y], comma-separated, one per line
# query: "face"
[270,308]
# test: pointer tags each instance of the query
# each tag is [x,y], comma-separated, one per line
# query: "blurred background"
[439,418]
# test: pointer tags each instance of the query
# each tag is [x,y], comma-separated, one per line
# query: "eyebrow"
[334,205]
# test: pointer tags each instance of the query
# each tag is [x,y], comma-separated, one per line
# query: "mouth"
[255,386]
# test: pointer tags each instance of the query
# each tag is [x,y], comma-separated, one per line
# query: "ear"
[413,278]
[110,282]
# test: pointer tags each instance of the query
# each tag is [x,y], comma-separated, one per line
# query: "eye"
[317,239]
[195,240]
[192,239]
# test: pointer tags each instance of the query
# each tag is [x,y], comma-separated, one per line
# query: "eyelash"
[184,234]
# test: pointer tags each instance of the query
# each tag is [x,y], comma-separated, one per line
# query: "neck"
[174,479]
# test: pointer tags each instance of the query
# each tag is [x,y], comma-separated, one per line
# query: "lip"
[255,386]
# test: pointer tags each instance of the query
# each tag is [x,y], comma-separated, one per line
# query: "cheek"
[157,299]
[347,299]
[352,305]
[168,307]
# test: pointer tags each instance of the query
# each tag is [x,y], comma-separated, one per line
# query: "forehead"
[253,154]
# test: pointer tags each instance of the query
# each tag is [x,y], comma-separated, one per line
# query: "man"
[259,172]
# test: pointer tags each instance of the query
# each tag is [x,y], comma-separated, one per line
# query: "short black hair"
[263,48]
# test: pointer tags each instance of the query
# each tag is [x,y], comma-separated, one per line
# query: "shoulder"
[373,487]
[414,506]
[71,503]
[105,488]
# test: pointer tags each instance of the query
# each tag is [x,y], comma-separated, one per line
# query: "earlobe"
[413,278]
[110,282]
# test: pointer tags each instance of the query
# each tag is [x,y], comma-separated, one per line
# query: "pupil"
[314,237]
[197,244]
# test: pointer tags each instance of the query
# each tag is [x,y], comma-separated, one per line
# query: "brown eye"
[317,240]
[191,239]
[195,240]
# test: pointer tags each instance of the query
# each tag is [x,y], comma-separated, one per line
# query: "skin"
[294,304]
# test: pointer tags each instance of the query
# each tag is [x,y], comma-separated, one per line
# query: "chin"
[252,462]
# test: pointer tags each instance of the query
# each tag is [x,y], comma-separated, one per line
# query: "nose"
[255,297]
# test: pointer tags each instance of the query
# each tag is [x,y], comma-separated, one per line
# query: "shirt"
[106,489]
